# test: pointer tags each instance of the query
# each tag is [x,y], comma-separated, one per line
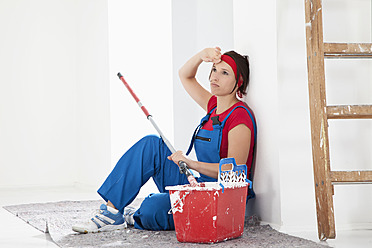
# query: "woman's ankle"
[109,204]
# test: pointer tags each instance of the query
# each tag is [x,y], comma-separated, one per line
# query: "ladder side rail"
[318,117]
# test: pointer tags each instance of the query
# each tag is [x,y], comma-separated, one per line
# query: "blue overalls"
[148,158]
[207,143]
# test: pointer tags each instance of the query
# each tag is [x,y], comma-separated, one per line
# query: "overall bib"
[148,158]
[207,143]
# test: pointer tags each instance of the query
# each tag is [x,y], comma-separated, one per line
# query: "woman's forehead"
[223,65]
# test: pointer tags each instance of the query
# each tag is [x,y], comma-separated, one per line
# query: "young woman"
[228,130]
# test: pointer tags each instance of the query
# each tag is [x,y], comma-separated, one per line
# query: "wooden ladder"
[324,177]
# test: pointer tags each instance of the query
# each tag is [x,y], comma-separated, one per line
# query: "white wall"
[53,101]
[140,41]
[255,35]
[62,110]
[141,49]
[195,26]
[295,159]
[93,93]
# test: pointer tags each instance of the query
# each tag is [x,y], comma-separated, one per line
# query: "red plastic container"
[204,214]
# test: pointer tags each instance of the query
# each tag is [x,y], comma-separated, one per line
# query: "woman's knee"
[149,144]
[150,138]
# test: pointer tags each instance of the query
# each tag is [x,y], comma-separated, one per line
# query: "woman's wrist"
[193,164]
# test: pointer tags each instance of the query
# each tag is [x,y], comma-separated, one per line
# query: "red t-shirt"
[238,116]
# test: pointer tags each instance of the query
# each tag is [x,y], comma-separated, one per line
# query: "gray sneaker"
[103,220]
[128,215]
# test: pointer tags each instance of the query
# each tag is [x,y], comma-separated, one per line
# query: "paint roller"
[181,164]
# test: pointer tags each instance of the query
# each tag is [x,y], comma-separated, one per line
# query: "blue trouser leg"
[153,213]
[147,158]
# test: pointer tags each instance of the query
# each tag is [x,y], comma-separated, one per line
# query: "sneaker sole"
[107,228]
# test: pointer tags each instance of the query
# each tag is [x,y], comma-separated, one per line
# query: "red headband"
[231,62]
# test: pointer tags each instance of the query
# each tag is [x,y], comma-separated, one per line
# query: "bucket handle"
[235,168]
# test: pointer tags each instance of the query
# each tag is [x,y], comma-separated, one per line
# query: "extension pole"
[181,164]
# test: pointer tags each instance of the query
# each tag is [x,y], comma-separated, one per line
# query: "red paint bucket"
[204,214]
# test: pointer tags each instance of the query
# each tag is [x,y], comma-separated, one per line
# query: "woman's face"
[222,79]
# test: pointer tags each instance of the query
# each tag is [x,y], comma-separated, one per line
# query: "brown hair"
[242,67]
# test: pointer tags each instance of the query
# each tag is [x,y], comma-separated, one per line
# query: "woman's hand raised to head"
[211,55]
[188,71]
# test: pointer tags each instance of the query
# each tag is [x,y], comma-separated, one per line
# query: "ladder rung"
[348,50]
[349,112]
[351,176]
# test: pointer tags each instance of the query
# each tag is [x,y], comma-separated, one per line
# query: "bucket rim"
[208,186]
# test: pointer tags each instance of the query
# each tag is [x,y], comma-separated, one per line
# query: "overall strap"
[250,115]
[202,122]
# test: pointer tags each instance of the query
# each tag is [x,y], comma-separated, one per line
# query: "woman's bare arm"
[188,71]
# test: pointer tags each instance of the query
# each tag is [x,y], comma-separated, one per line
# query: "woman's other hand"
[179,156]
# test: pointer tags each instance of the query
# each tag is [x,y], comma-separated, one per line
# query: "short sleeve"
[239,116]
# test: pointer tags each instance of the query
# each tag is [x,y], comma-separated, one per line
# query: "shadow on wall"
[254,206]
